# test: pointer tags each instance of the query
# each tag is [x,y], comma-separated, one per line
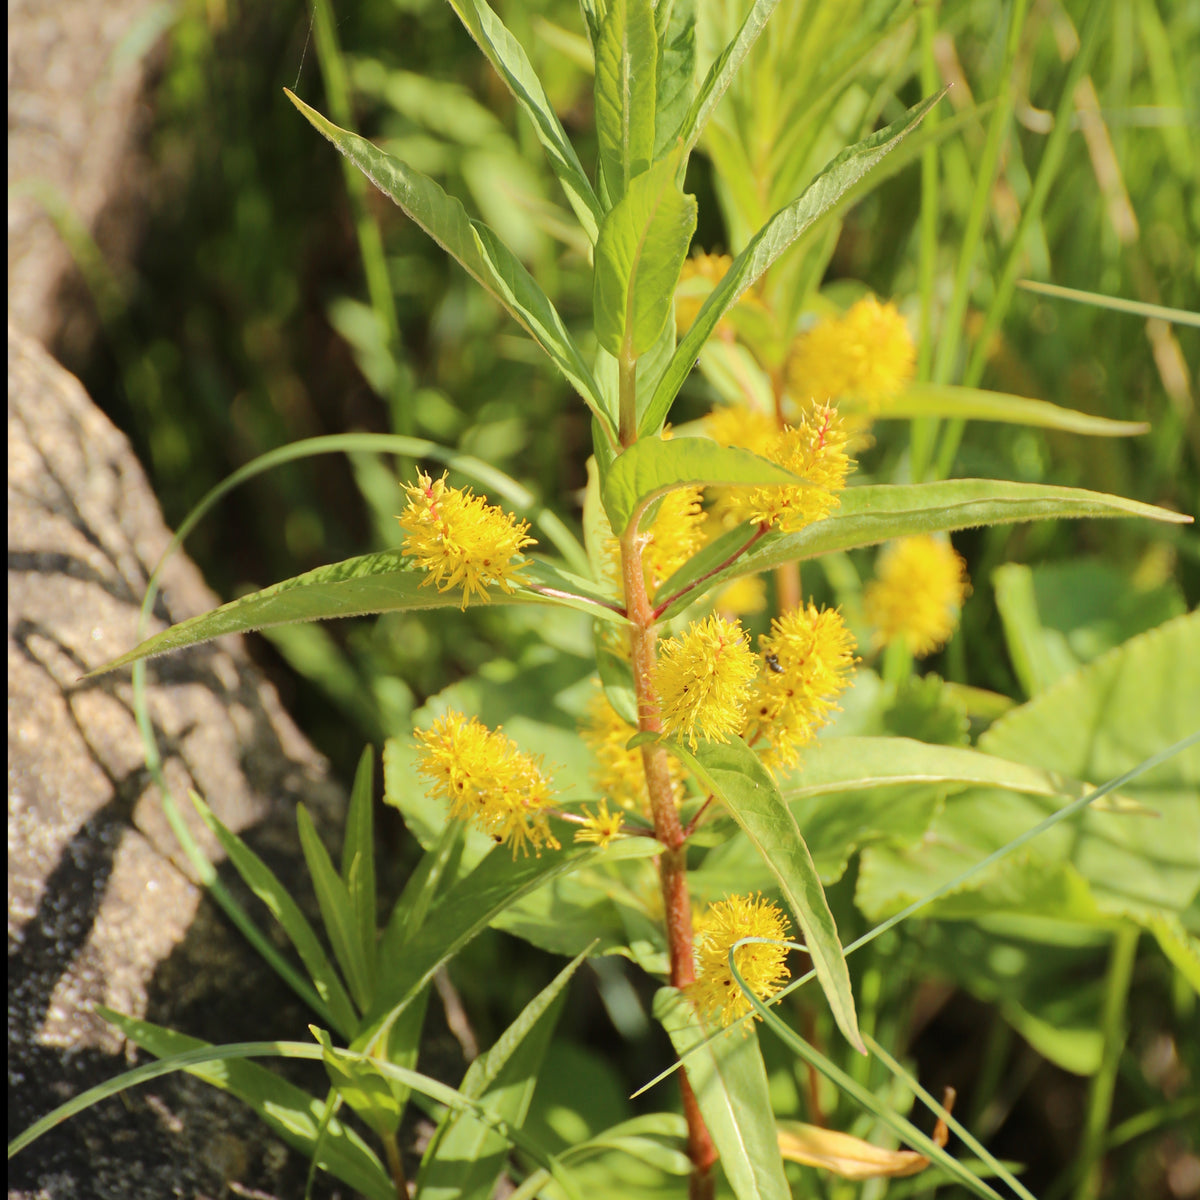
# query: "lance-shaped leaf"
[466,1156]
[476,248]
[676,71]
[371,583]
[510,62]
[293,1114]
[651,467]
[733,773]
[626,72]
[639,255]
[847,169]
[977,404]
[721,73]
[873,514]
[730,1081]
[465,910]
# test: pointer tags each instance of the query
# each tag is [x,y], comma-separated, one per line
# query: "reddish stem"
[677,905]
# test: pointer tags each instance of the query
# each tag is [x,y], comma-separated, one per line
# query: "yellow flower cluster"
[815,449]
[807,660]
[458,538]
[619,773]
[487,780]
[917,594]
[762,966]
[867,353]
[703,680]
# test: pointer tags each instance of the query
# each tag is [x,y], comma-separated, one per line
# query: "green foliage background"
[251,325]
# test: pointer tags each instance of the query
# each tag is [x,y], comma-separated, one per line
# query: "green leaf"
[358,856]
[466,1156]
[1059,616]
[676,71]
[721,74]
[730,1081]
[873,514]
[372,583]
[477,249]
[461,913]
[651,467]
[359,1082]
[841,764]
[639,254]
[337,911]
[293,1114]
[510,62]
[734,774]
[262,881]
[977,404]
[616,675]
[1094,724]
[769,243]
[626,73]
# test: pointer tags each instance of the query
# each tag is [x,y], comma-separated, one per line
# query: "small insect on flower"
[487,781]
[762,965]
[458,538]
[808,656]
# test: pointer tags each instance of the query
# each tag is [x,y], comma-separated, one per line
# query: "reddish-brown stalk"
[672,863]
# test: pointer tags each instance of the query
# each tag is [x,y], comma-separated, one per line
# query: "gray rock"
[78,74]
[102,907]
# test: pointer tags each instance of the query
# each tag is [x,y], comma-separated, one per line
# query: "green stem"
[366,228]
[395,1167]
[627,395]
[924,429]
[1116,995]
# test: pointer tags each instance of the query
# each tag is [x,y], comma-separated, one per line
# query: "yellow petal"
[847,1156]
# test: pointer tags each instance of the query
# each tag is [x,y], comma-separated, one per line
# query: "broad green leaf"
[676,71]
[337,911]
[769,243]
[475,247]
[510,62]
[466,1156]
[372,583]
[637,1138]
[465,910]
[845,764]
[1058,616]
[873,514]
[639,254]
[358,856]
[978,404]
[262,881]
[721,74]
[1094,724]
[652,467]
[734,774]
[730,1081]
[293,1114]
[626,75]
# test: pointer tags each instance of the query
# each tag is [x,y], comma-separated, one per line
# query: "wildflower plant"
[702,740]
